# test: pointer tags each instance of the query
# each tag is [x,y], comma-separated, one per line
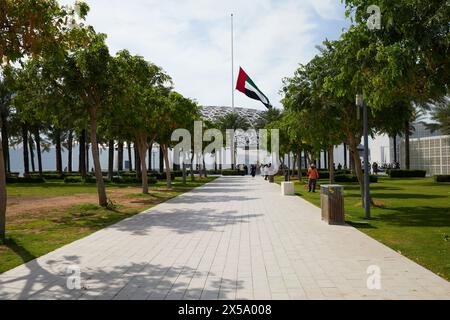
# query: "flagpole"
[232,65]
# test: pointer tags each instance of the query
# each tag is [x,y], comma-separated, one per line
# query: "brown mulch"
[35,204]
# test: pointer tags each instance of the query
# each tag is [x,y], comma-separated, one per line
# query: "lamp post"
[361,103]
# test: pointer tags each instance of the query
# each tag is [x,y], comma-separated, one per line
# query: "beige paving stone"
[234,238]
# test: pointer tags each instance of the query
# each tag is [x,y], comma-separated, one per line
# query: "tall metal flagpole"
[232,65]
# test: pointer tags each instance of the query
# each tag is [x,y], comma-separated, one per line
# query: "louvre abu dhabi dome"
[212,113]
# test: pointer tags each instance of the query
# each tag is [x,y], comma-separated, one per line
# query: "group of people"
[266,170]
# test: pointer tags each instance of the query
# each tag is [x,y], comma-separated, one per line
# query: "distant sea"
[49,159]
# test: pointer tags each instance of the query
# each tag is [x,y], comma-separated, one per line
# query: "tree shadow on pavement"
[181,220]
[137,281]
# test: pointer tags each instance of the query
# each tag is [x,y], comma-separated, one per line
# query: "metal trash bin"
[332,203]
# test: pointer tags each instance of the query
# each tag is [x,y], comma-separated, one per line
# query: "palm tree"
[417,115]
[5,106]
[267,117]
[440,114]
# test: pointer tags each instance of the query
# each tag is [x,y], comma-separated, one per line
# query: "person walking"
[253,170]
[313,175]
[375,168]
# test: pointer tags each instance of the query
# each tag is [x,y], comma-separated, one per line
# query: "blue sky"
[190,39]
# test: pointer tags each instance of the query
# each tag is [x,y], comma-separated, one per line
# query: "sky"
[191,40]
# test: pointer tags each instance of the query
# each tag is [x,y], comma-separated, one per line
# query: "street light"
[361,103]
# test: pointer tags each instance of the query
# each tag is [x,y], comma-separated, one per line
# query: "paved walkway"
[234,238]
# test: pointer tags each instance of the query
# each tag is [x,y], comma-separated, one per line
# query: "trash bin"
[332,203]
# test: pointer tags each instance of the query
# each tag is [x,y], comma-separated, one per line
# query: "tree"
[88,73]
[132,117]
[404,62]
[440,114]
[32,27]
[173,112]
[5,109]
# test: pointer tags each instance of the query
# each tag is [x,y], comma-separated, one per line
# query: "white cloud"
[191,40]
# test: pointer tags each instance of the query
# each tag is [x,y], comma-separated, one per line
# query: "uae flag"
[249,88]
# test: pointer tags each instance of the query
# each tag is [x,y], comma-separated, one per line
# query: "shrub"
[127,173]
[13,174]
[162,175]
[48,176]
[352,178]
[177,173]
[25,180]
[90,179]
[230,172]
[73,179]
[442,178]
[400,173]
[132,180]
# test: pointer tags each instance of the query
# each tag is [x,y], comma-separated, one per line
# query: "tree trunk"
[220,160]
[87,157]
[31,148]
[306,160]
[82,155]
[345,155]
[161,159]
[26,161]
[137,160]
[37,138]
[199,165]
[102,200]
[5,142]
[330,163]
[130,163]
[167,163]
[204,166]
[299,165]
[58,150]
[149,152]
[183,168]
[120,156]
[142,147]
[110,159]
[3,197]
[407,155]
[69,150]
[192,166]
[395,148]
[353,145]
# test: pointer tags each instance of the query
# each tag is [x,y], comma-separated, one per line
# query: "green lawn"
[412,217]
[30,235]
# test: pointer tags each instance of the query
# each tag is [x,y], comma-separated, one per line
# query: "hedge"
[133,180]
[48,176]
[115,179]
[13,174]
[400,173]
[324,174]
[442,178]
[229,172]
[352,178]
[24,180]
[79,179]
